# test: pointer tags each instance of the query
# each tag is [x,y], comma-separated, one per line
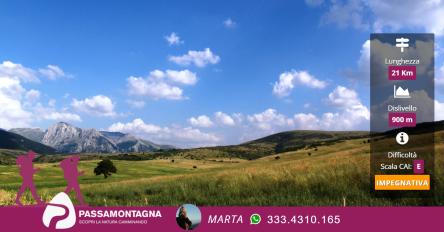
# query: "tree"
[105,167]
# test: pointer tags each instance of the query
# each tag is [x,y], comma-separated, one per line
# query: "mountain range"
[66,138]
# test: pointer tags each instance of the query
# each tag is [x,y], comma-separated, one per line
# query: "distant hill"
[9,140]
[34,134]
[272,144]
[294,140]
[129,143]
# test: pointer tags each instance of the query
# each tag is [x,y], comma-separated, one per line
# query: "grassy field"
[332,175]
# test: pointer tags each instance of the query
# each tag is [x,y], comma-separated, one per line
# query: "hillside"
[9,140]
[269,145]
[328,175]
[34,134]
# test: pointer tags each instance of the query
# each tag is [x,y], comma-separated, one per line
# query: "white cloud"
[269,120]
[346,14]
[60,116]
[136,125]
[153,88]
[364,59]
[439,80]
[25,74]
[362,73]
[136,104]
[385,16]
[288,80]
[229,23]
[224,119]
[12,113]
[201,121]
[20,107]
[348,100]
[11,88]
[181,136]
[343,97]
[52,72]
[349,114]
[238,118]
[306,121]
[17,71]
[198,58]
[98,106]
[50,113]
[439,110]
[184,77]
[391,15]
[160,84]
[51,102]
[32,95]
[173,39]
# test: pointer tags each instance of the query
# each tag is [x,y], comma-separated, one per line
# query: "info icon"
[402,138]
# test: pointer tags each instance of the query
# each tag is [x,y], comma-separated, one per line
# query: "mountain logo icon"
[59,212]
[400,92]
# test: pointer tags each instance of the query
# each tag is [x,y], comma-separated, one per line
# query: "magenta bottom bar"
[238,219]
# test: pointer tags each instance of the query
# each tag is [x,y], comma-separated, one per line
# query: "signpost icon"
[402,43]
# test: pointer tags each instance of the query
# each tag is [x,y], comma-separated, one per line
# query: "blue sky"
[232,71]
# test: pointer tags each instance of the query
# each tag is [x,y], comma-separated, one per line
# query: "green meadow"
[326,175]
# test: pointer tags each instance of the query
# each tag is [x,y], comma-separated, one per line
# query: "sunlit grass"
[331,175]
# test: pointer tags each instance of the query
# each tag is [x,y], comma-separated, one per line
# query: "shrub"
[105,167]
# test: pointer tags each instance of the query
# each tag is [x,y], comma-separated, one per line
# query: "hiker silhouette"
[27,171]
[71,174]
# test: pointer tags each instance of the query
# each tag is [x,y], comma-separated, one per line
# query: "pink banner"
[232,219]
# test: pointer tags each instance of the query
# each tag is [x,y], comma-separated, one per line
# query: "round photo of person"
[188,217]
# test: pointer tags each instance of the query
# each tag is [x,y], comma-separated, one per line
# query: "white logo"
[60,206]
[402,43]
[402,138]
[400,92]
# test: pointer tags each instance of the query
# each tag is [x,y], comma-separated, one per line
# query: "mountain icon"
[400,92]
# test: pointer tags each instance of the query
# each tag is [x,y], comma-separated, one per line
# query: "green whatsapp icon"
[255,219]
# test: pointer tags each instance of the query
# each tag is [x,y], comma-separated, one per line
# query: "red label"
[402,72]
[402,119]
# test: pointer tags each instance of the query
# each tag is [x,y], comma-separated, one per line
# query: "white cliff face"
[60,133]
[69,139]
